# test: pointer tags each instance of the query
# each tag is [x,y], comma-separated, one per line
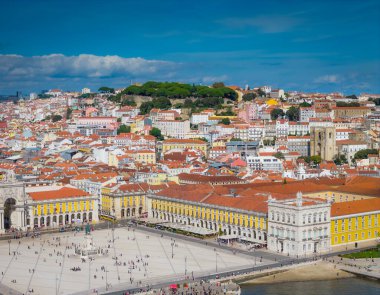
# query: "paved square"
[45,264]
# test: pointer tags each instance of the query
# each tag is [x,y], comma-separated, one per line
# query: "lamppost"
[56,284]
[9,247]
[106,279]
[216,261]
[185,265]
[90,259]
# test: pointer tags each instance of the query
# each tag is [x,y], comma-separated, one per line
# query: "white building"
[267,163]
[86,90]
[298,128]
[306,113]
[350,147]
[256,131]
[342,133]
[277,93]
[173,128]
[298,226]
[282,127]
[197,118]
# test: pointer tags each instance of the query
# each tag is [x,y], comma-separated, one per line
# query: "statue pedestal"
[87,248]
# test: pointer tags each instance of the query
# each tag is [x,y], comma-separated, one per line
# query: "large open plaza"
[48,264]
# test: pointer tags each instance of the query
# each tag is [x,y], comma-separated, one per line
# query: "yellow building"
[173,143]
[355,221]
[123,200]
[202,207]
[57,206]
[144,156]
[272,102]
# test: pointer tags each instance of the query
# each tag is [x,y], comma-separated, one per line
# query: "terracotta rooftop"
[62,193]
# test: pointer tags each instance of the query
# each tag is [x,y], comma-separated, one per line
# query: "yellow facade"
[56,207]
[167,146]
[354,228]
[123,205]
[145,157]
[219,216]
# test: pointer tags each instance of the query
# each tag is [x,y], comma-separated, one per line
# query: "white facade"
[174,128]
[86,90]
[298,128]
[264,163]
[197,118]
[306,114]
[298,227]
[282,128]
[255,132]
[349,148]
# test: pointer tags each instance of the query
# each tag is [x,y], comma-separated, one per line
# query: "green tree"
[218,85]
[225,121]
[56,118]
[340,159]
[293,114]
[105,89]
[279,155]
[375,100]
[347,104]
[146,107]
[305,104]
[236,139]
[363,154]
[69,112]
[162,103]
[128,102]
[275,113]
[156,133]
[249,96]
[261,93]
[188,103]
[305,158]
[352,96]
[316,159]
[124,129]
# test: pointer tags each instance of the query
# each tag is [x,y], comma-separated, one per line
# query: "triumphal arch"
[13,206]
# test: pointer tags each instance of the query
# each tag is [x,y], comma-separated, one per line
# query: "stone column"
[1,220]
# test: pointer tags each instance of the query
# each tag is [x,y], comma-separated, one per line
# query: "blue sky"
[296,45]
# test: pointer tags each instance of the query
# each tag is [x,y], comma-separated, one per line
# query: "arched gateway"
[12,206]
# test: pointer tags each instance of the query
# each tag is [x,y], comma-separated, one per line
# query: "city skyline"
[323,46]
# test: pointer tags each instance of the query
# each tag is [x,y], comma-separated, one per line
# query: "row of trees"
[179,90]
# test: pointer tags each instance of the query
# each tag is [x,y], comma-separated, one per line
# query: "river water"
[352,286]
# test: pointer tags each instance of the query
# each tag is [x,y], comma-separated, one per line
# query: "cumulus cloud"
[328,79]
[79,66]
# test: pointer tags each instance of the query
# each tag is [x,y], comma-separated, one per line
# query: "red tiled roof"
[65,192]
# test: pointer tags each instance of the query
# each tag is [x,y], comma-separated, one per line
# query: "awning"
[228,237]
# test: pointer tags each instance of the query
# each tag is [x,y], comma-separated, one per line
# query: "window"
[342,238]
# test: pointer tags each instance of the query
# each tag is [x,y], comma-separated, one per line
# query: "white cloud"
[330,79]
[212,79]
[80,66]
